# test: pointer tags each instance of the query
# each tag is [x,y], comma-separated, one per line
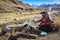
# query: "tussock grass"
[57,19]
[13,22]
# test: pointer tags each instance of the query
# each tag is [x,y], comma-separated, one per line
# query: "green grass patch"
[13,22]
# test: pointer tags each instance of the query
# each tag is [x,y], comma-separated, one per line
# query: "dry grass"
[7,17]
[53,36]
[57,19]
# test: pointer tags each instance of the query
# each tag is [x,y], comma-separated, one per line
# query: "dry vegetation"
[11,13]
[9,18]
[52,36]
[56,17]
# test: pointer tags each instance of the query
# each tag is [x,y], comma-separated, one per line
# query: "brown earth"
[9,6]
[51,36]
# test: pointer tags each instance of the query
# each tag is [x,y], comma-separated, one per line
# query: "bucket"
[43,33]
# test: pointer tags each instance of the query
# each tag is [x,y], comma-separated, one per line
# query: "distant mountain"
[43,6]
[35,6]
[49,5]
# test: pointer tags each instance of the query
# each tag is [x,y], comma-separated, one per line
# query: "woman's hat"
[44,12]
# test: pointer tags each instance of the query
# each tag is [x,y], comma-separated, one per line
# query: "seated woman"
[45,22]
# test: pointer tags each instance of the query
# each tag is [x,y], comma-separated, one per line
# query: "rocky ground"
[52,36]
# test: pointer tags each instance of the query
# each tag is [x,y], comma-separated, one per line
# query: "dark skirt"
[46,28]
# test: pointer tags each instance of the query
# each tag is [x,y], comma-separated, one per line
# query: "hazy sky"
[39,2]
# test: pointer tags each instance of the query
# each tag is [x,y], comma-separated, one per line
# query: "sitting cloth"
[46,28]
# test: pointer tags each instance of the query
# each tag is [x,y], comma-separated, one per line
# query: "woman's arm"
[39,20]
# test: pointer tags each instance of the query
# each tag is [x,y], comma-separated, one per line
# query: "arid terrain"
[16,12]
[52,36]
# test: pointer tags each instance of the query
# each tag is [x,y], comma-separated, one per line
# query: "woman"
[45,22]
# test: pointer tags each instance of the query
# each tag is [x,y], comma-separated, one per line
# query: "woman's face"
[43,15]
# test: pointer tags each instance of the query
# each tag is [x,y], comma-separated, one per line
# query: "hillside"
[12,6]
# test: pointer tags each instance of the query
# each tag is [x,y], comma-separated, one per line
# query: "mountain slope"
[12,6]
